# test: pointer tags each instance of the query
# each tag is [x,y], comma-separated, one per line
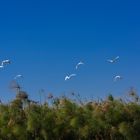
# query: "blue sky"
[46,39]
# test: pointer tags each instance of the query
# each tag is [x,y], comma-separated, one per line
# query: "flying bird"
[118,77]
[113,60]
[18,76]
[80,63]
[5,62]
[69,77]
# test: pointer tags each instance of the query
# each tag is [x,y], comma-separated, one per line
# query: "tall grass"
[66,118]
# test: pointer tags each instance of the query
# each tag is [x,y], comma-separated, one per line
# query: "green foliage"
[66,119]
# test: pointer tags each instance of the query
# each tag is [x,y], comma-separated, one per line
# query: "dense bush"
[69,119]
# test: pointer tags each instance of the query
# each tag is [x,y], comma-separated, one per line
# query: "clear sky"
[46,39]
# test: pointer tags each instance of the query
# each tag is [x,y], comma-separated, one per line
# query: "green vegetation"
[66,118]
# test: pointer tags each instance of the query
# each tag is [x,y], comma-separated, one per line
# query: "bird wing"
[5,62]
[18,76]
[80,63]
[117,77]
[109,60]
[66,78]
[72,75]
[116,58]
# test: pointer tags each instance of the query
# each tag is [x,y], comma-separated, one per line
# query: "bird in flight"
[5,62]
[113,60]
[69,77]
[18,76]
[118,77]
[80,63]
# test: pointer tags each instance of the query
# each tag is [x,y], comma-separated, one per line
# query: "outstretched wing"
[72,75]
[109,60]
[80,63]
[66,78]
[117,78]
[18,76]
[115,59]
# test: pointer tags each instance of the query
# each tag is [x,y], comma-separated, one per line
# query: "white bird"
[113,60]
[18,76]
[118,77]
[5,62]
[80,63]
[69,77]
